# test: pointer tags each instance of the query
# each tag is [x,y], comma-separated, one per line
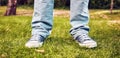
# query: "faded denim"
[42,21]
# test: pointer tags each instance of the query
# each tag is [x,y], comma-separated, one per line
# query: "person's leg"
[79,18]
[42,21]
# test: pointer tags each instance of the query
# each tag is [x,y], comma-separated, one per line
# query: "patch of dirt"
[55,13]
[111,22]
[25,12]
[104,11]
[65,13]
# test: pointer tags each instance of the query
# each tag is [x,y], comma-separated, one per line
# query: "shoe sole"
[33,45]
[88,45]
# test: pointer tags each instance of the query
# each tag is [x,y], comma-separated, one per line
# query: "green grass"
[16,30]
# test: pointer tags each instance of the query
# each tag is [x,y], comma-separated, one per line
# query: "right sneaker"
[85,41]
[35,41]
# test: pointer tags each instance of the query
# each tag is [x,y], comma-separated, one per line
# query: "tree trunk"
[11,7]
[111,6]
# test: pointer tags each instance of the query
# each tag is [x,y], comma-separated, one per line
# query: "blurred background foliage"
[94,4]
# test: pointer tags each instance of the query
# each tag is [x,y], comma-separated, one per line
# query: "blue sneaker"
[85,41]
[35,41]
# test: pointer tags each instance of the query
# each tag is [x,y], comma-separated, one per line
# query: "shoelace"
[35,38]
[83,37]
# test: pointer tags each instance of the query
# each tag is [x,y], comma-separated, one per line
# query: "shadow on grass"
[65,43]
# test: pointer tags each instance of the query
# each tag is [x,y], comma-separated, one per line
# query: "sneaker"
[35,41]
[85,41]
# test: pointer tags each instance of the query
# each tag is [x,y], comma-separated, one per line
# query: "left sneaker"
[35,41]
[85,41]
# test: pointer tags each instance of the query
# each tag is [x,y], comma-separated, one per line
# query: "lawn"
[16,30]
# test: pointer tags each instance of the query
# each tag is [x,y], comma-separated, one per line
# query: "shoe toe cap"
[89,44]
[33,44]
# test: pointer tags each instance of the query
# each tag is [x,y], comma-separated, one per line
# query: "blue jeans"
[42,21]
